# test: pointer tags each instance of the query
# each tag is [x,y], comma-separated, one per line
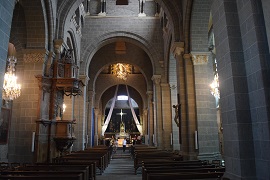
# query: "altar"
[120,137]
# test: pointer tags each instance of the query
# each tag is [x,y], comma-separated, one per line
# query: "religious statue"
[122,128]
[176,117]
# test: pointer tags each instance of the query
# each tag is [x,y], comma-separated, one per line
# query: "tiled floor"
[120,168]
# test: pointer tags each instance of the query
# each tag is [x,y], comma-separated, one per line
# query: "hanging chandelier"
[215,87]
[121,70]
[11,89]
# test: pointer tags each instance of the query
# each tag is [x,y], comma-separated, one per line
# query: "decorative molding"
[199,58]
[173,86]
[35,55]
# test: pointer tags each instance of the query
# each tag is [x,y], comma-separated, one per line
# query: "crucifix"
[122,125]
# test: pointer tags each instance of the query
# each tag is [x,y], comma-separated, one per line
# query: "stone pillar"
[158,126]
[97,119]
[157,9]
[244,87]
[186,95]
[91,119]
[82,114]
[191,119]
[150,118]
[206,107]
[88,7]
[103,8]
[144,121]
[141,8]
[34,100]
[177,51]
[175,127]
[42,122]
[166,116]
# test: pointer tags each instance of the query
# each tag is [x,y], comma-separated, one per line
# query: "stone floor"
[120,168]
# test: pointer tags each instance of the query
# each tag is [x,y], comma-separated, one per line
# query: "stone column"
[186,96]
[175,127]
[144,121]
[91,119]
[166,116]
[157,9]
[35,98]
[190,104]
[103,8]
[177,51]
[158,126]
[150,118]
[82,114]
[141,8]
[206,107]
[88,7]
[97,119]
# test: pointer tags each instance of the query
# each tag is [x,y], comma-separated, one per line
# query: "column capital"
[57,44]
[149,93]
[156,79]
[96,111]
[145,111]
[177,48]
[199,58]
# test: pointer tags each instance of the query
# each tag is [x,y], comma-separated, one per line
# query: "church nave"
[120,168]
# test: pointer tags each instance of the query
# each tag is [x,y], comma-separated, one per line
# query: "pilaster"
[166,116]
[158,133]
[177,50]
[97,125]
[150,118]
[206,107]
[190,107]
[91,119]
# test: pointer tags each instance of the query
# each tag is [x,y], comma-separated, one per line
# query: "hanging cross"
[121,114]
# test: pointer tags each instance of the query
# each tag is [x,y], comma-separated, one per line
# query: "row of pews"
[79,165]
[159,164]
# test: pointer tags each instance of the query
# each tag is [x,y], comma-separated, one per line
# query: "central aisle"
[120,168]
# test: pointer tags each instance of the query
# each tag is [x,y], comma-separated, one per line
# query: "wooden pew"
[187,167]
[79,161]
[191,175]
[56,167]
[184,169]
[105,153]
[154,156]
[42,175]
[91,164]
[100,160]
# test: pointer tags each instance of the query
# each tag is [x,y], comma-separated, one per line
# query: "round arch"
[99,42]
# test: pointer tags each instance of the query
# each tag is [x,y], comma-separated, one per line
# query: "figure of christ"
[122,125]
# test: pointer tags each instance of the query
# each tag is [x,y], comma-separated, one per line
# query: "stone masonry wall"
[6,13]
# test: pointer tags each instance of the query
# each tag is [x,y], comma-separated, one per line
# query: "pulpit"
[64,135]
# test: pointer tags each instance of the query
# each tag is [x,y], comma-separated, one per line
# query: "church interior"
[183,76]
